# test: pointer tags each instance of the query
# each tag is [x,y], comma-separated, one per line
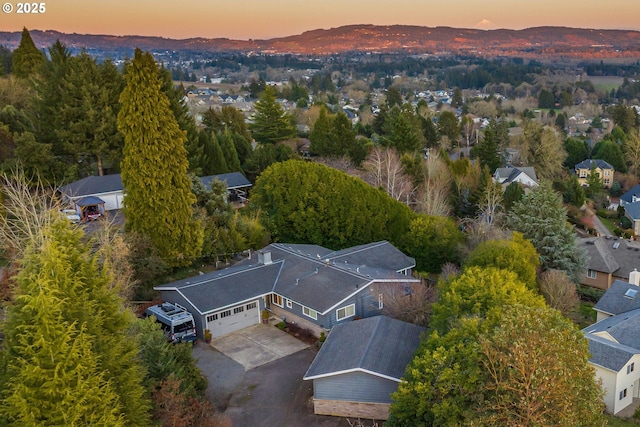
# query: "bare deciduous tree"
[559,291]
[433,194]
[384,170]
[28,206]
[409,302]
[490,205]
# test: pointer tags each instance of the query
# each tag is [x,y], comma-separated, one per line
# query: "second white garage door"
[230,320]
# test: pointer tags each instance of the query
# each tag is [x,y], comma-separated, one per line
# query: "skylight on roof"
[631,293]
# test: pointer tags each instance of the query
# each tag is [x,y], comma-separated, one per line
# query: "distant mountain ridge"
[545,41]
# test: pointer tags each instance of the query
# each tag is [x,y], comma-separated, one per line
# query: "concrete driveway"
[258,380]
[257,345]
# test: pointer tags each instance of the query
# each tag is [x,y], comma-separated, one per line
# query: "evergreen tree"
[490,150]
[320,136]
[183,117]
[70,356]
[26,58]
[541,218]
[154,166]
[213,160]
[271,124]
[228,147]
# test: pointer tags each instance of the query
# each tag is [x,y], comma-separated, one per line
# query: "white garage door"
[233,319]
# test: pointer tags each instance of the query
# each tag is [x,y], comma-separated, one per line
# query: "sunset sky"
[256,19]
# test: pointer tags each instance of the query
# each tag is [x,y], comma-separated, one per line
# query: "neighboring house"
[508,174]
[603,169]
[107,188]
[110,190]
[630,196]
[305,284]
[614,344]
[632,211]
[237,185]
[609,259]
[360,365]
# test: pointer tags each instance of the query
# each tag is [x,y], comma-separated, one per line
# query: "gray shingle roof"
[588,164]
[379,345]
[93,185]
[609,354]
[628,196]
[296,273]
[612,255]
[633,209]
[614,301]
[509,173]
[624,328]
[380,254]
[233,180]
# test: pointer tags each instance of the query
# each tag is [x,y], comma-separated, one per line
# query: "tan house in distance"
[609,259]
[604,170]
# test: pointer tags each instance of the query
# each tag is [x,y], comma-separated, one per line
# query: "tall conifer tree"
[154,167]
[26,58]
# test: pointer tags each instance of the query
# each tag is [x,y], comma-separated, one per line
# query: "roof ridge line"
[370,342]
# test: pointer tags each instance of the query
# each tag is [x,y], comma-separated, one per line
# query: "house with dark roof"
[110,191]
[603,169]
[360,365]
[614,344]
[630,196]
[309,285]
[609,259]
[523,175]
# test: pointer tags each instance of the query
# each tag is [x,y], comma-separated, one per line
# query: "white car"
[72,215]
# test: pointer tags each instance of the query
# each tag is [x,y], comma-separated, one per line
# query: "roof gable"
[614,301]
[612,255]
[629,195]
[377,345]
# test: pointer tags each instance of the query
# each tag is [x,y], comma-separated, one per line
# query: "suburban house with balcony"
[603,169]
[614,344]
[609,259]
[309,285]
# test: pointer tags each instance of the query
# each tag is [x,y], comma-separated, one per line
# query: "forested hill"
[532,42]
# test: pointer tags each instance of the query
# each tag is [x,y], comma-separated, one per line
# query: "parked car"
[72,215]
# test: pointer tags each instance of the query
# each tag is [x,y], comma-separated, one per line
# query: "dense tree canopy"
[311,203]
[516,254]
[159,200]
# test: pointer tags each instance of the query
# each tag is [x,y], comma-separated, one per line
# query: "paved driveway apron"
[257,345]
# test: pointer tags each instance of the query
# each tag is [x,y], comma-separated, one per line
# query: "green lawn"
[608,223]
[621,422]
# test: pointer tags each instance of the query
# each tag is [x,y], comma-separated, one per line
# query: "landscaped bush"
[587,293]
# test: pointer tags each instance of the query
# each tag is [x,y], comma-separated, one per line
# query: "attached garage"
[232,319]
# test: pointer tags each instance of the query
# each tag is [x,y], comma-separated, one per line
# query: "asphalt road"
[269,395]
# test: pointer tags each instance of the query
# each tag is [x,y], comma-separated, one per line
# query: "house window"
[276,299]
[583,173]
[623,394]
[289,304]
[238,309]
[607,181]
[309,312]
[251,306]
[591,274]
[225,313]
[606,172]
[344,312]
[630,368]
[380,302]
[212,317]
